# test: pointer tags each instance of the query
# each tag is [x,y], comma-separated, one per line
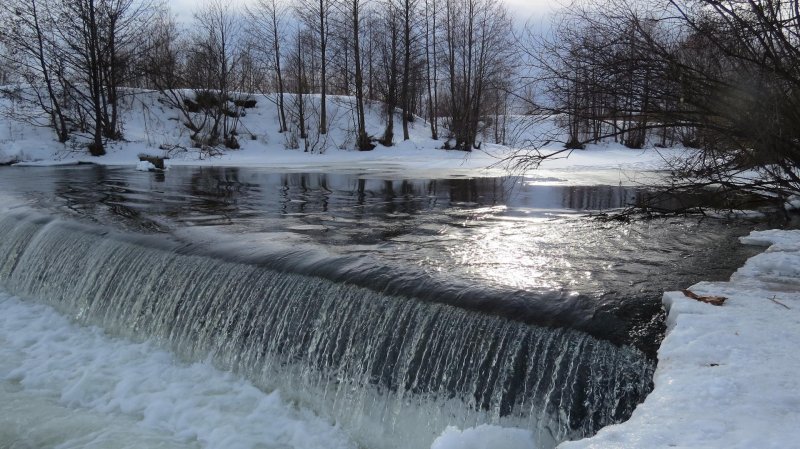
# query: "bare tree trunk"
[406,64]
[391,80]
[276,47]
[323,44]
[455,118]
[96,148]
[56,114]
[301,90]
[266,25]
[111,130]
[371,68]
[362,140]
[428,29]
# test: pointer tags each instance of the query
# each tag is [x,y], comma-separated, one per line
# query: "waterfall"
[392,370]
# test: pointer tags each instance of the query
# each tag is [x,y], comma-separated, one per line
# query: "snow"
[484,437]
[150,125]
[67,386]
[793,203]
[145,166]
[727,376]
[780,239]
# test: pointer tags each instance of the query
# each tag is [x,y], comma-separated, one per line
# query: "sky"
[521,10]
[530,7]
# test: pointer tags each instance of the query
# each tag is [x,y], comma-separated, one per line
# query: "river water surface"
[392,307]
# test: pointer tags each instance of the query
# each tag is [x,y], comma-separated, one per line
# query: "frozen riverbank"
[727,376]
[154,129]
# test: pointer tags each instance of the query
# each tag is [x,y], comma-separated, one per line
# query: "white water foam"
[484,437]
[67,386]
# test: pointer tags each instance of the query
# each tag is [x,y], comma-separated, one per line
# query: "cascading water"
[393,370]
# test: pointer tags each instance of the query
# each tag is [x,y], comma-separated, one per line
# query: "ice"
[484,437]
[69,386]
[727,376]
[772,237]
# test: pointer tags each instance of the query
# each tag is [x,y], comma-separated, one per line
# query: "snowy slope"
[727,376]
[150,124]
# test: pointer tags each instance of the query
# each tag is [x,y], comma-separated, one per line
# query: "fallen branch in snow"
[713,300]
[779,303]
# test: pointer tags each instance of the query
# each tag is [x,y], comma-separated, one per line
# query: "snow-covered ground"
[727,376]
[150,125]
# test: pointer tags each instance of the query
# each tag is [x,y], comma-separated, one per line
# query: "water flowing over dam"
[385,312]
[394,370]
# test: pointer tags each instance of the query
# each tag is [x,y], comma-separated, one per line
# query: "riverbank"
[727,376]
[153,128]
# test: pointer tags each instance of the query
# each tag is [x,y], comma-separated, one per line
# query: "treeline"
[73,58]
[720,75]
[443,61]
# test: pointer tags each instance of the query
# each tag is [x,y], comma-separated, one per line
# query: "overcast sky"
[521,10]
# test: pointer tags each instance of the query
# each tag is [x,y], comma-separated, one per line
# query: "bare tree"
[721,76]
[477,40]
[316,14]
[408,10]
[31,50]
[174,66]
[83,52]
[748,95]
[299,73]
[352,13]
[216,54]
[267,28]
[389,50]
[431,66]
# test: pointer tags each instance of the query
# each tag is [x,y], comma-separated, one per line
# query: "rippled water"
[505,246]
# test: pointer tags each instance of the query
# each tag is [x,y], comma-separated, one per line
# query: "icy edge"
[727,376]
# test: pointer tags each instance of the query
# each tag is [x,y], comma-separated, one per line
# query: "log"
[713,300]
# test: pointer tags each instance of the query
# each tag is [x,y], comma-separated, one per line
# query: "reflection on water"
[219,196]
[501,245]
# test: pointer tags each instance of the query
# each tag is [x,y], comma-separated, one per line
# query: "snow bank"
[150,126]
[75,387]
[727,376]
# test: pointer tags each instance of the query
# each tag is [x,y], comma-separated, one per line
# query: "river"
[393,307]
